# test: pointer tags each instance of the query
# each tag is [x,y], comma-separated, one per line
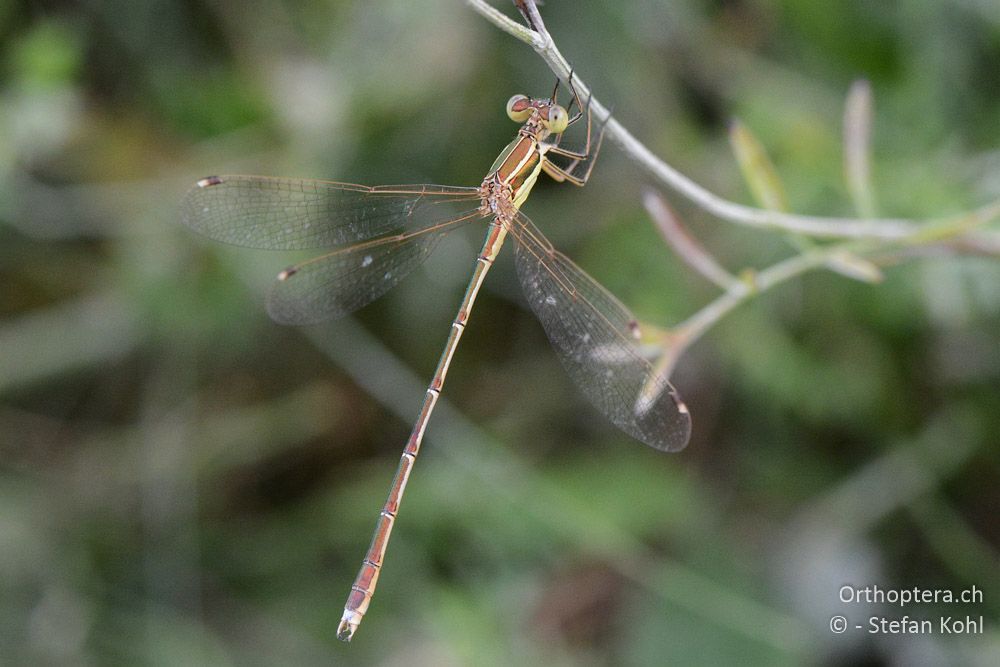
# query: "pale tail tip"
[345,631]
[209,181]
[287,273]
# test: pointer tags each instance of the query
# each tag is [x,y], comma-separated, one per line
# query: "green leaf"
[758,170]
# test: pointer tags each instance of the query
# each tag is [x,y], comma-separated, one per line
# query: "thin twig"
[529,10]
[820,226]
[946,234]
[686,246]
[681,337]
[506,24]
[977,244]
[692,328]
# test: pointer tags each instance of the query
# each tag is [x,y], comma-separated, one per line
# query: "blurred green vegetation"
[184,482]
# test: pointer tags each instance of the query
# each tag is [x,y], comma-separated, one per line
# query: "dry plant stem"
[818,226]
[930,236]
[501,21]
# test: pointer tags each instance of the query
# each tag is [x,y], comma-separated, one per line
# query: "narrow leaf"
[857,147]
[758,170]
[687,247]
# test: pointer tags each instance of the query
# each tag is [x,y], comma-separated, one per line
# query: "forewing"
[342,281]
[294,214]
[596,339]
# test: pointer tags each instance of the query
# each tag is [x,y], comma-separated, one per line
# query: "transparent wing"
[596,339]
[342,281]
[294,214]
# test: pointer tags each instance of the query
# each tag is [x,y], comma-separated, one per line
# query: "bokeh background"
[183,481]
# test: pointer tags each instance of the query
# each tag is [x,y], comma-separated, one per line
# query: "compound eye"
[558,119]
[519,108]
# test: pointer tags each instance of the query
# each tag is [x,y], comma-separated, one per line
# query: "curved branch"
[820,226]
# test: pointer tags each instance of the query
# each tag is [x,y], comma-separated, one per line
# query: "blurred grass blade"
[758,170]
[852,266]
[50,342]
[857,147]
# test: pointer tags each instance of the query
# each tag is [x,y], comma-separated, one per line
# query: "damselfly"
[377,235]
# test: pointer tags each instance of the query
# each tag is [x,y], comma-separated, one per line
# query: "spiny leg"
[575,98]
[561,174]
[554,147]
[555,91]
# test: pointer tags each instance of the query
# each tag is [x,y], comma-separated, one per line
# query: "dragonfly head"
[546,115]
